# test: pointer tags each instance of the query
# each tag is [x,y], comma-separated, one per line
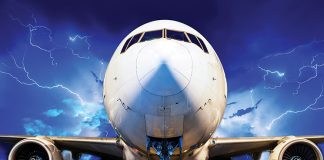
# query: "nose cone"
[164,67]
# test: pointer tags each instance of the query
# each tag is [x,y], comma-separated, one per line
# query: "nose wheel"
[164,147]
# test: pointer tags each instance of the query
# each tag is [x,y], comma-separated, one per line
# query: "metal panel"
[164,126]
[154,126]
[173,126]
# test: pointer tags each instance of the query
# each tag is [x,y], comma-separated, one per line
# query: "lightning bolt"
[313,66]
[33,82]
[82,38]
[277,73]
[33,28]
[292,51]
[309,107]
[301,69]
[85,38]
[20,72]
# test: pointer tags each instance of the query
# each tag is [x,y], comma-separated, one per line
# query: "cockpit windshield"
[176,35]
[197,41]
[152,35]
[134,40]
[164,33]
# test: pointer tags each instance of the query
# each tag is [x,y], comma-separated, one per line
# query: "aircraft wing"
[228,147]
[108,148]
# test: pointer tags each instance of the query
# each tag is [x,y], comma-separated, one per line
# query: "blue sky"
[53,56]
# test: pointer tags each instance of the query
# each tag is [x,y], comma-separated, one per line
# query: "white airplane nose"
[164,67]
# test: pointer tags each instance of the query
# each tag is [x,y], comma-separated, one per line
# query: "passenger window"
[194,39]
[134,39]
[151,35]
[177,35]
[203,45]
[125,45]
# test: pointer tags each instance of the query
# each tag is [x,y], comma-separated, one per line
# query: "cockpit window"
[194,39]
[134,39]
[197,41]
[203,45]
[125,45]
[151,35]
[176,35]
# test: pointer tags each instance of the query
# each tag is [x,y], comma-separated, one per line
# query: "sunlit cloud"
[53,112]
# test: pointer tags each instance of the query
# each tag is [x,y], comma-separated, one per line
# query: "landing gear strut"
[164,147]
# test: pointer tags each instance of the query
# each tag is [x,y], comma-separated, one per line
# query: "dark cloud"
[244,30]
[245,111]
[117,15]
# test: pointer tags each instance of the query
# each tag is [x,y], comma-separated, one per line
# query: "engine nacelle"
[38,148]
[292,148]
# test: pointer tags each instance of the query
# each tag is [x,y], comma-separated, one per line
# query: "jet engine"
[292,148]
[38,148]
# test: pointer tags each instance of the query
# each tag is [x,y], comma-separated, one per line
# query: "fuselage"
[165,86]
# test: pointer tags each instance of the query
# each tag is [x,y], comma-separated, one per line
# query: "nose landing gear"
[164,147]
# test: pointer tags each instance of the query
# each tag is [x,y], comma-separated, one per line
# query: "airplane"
[165,93]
